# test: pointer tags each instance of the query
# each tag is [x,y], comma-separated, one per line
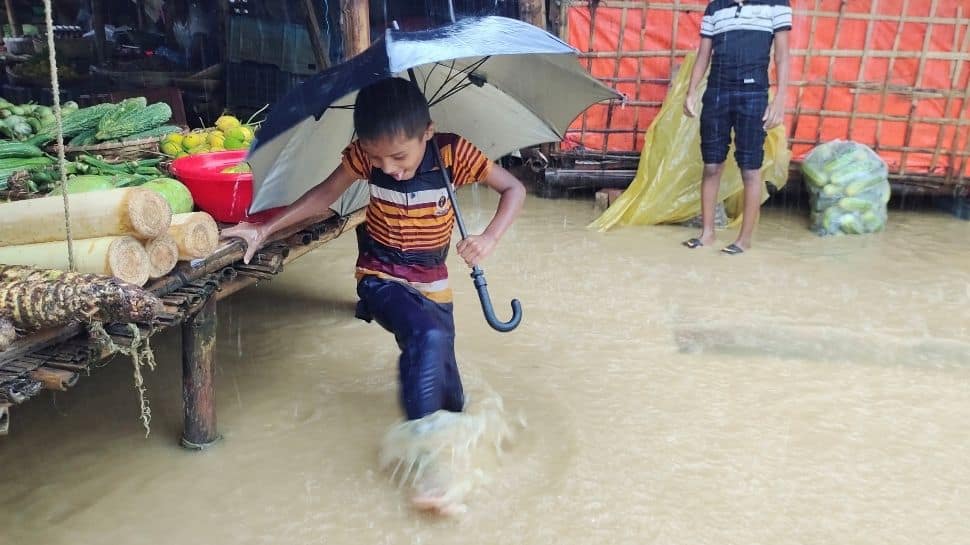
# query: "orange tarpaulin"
[892,79]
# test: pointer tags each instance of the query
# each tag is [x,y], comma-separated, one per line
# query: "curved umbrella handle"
[478,277]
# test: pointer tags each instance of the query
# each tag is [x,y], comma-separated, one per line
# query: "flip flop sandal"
[693,243]
[732,249]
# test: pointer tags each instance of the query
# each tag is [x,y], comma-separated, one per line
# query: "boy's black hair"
[391,107]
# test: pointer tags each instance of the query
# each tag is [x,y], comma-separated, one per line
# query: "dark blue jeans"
[425,333]
[742,111]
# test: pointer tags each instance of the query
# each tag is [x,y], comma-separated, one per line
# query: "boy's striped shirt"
[409,223]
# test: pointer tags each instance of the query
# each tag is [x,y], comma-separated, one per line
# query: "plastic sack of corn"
[848,188]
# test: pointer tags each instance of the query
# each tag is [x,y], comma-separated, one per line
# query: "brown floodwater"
[811,391]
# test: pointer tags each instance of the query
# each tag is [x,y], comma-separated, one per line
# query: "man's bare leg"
[709,188]
[752,207]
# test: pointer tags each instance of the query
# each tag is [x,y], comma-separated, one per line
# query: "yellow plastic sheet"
[667,186]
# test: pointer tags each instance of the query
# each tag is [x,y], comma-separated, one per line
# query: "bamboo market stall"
[58,321]
[894,75]
[54,359]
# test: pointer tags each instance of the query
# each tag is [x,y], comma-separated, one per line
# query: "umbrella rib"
[454,91]
[447,80]
[465,72]
[427,78]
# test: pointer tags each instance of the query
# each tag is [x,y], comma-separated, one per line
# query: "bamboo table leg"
[198,388]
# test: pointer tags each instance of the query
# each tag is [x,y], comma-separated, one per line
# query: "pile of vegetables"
[228,134]
[20,122]
[38,67]
[848,188]
[130,119]
[25,168]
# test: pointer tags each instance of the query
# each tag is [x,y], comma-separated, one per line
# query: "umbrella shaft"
[451,192]
[444,172]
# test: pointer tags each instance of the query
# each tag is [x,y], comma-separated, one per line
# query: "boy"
[401,272]
[736,40]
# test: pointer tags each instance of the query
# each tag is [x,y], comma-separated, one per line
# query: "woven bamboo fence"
[893,74]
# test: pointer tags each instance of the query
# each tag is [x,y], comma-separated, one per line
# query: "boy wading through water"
[736,40]
[401,272]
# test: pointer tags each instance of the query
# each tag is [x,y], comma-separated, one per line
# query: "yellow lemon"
[174,138]
[247,132]
[227,122]
[236,133]
[219,147]
[216,140]
[193,140]
[171,148]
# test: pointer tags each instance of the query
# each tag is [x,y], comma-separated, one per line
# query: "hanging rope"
[61,162]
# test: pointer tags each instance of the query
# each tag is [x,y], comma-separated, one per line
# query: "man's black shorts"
[742,111]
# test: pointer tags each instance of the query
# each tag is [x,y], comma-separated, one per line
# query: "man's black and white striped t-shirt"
[742,33]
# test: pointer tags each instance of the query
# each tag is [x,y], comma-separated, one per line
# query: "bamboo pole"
[889,72]
[639,81]
[120,256]
[870,27]
[953,171]
[837,53]
[533,12]
[140,8]
[198,373]
[799,12]
[590,57]
[5,409]
[616,72]
[914,102]
[15,30]
[97,23]
[356,26]
[313,28]
[134,211]
[196,235]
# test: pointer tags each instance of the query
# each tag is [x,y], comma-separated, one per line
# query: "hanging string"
[61,162]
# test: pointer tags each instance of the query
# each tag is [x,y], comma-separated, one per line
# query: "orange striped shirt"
[410,222]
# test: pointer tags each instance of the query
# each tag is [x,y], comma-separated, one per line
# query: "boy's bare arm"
[476,248]
[775,114]
[701,63]
[312,204]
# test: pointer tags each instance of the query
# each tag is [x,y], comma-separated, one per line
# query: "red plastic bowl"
[225,196]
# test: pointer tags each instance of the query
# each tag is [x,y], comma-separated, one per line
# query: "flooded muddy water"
[811,391]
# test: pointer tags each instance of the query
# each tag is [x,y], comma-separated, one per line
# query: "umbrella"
[502,84]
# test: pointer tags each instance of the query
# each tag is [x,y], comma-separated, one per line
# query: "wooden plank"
[97,23]
[533,12]
[15,29]
[320,52]
[356,26]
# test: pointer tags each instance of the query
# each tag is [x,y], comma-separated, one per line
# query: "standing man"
[736,42]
